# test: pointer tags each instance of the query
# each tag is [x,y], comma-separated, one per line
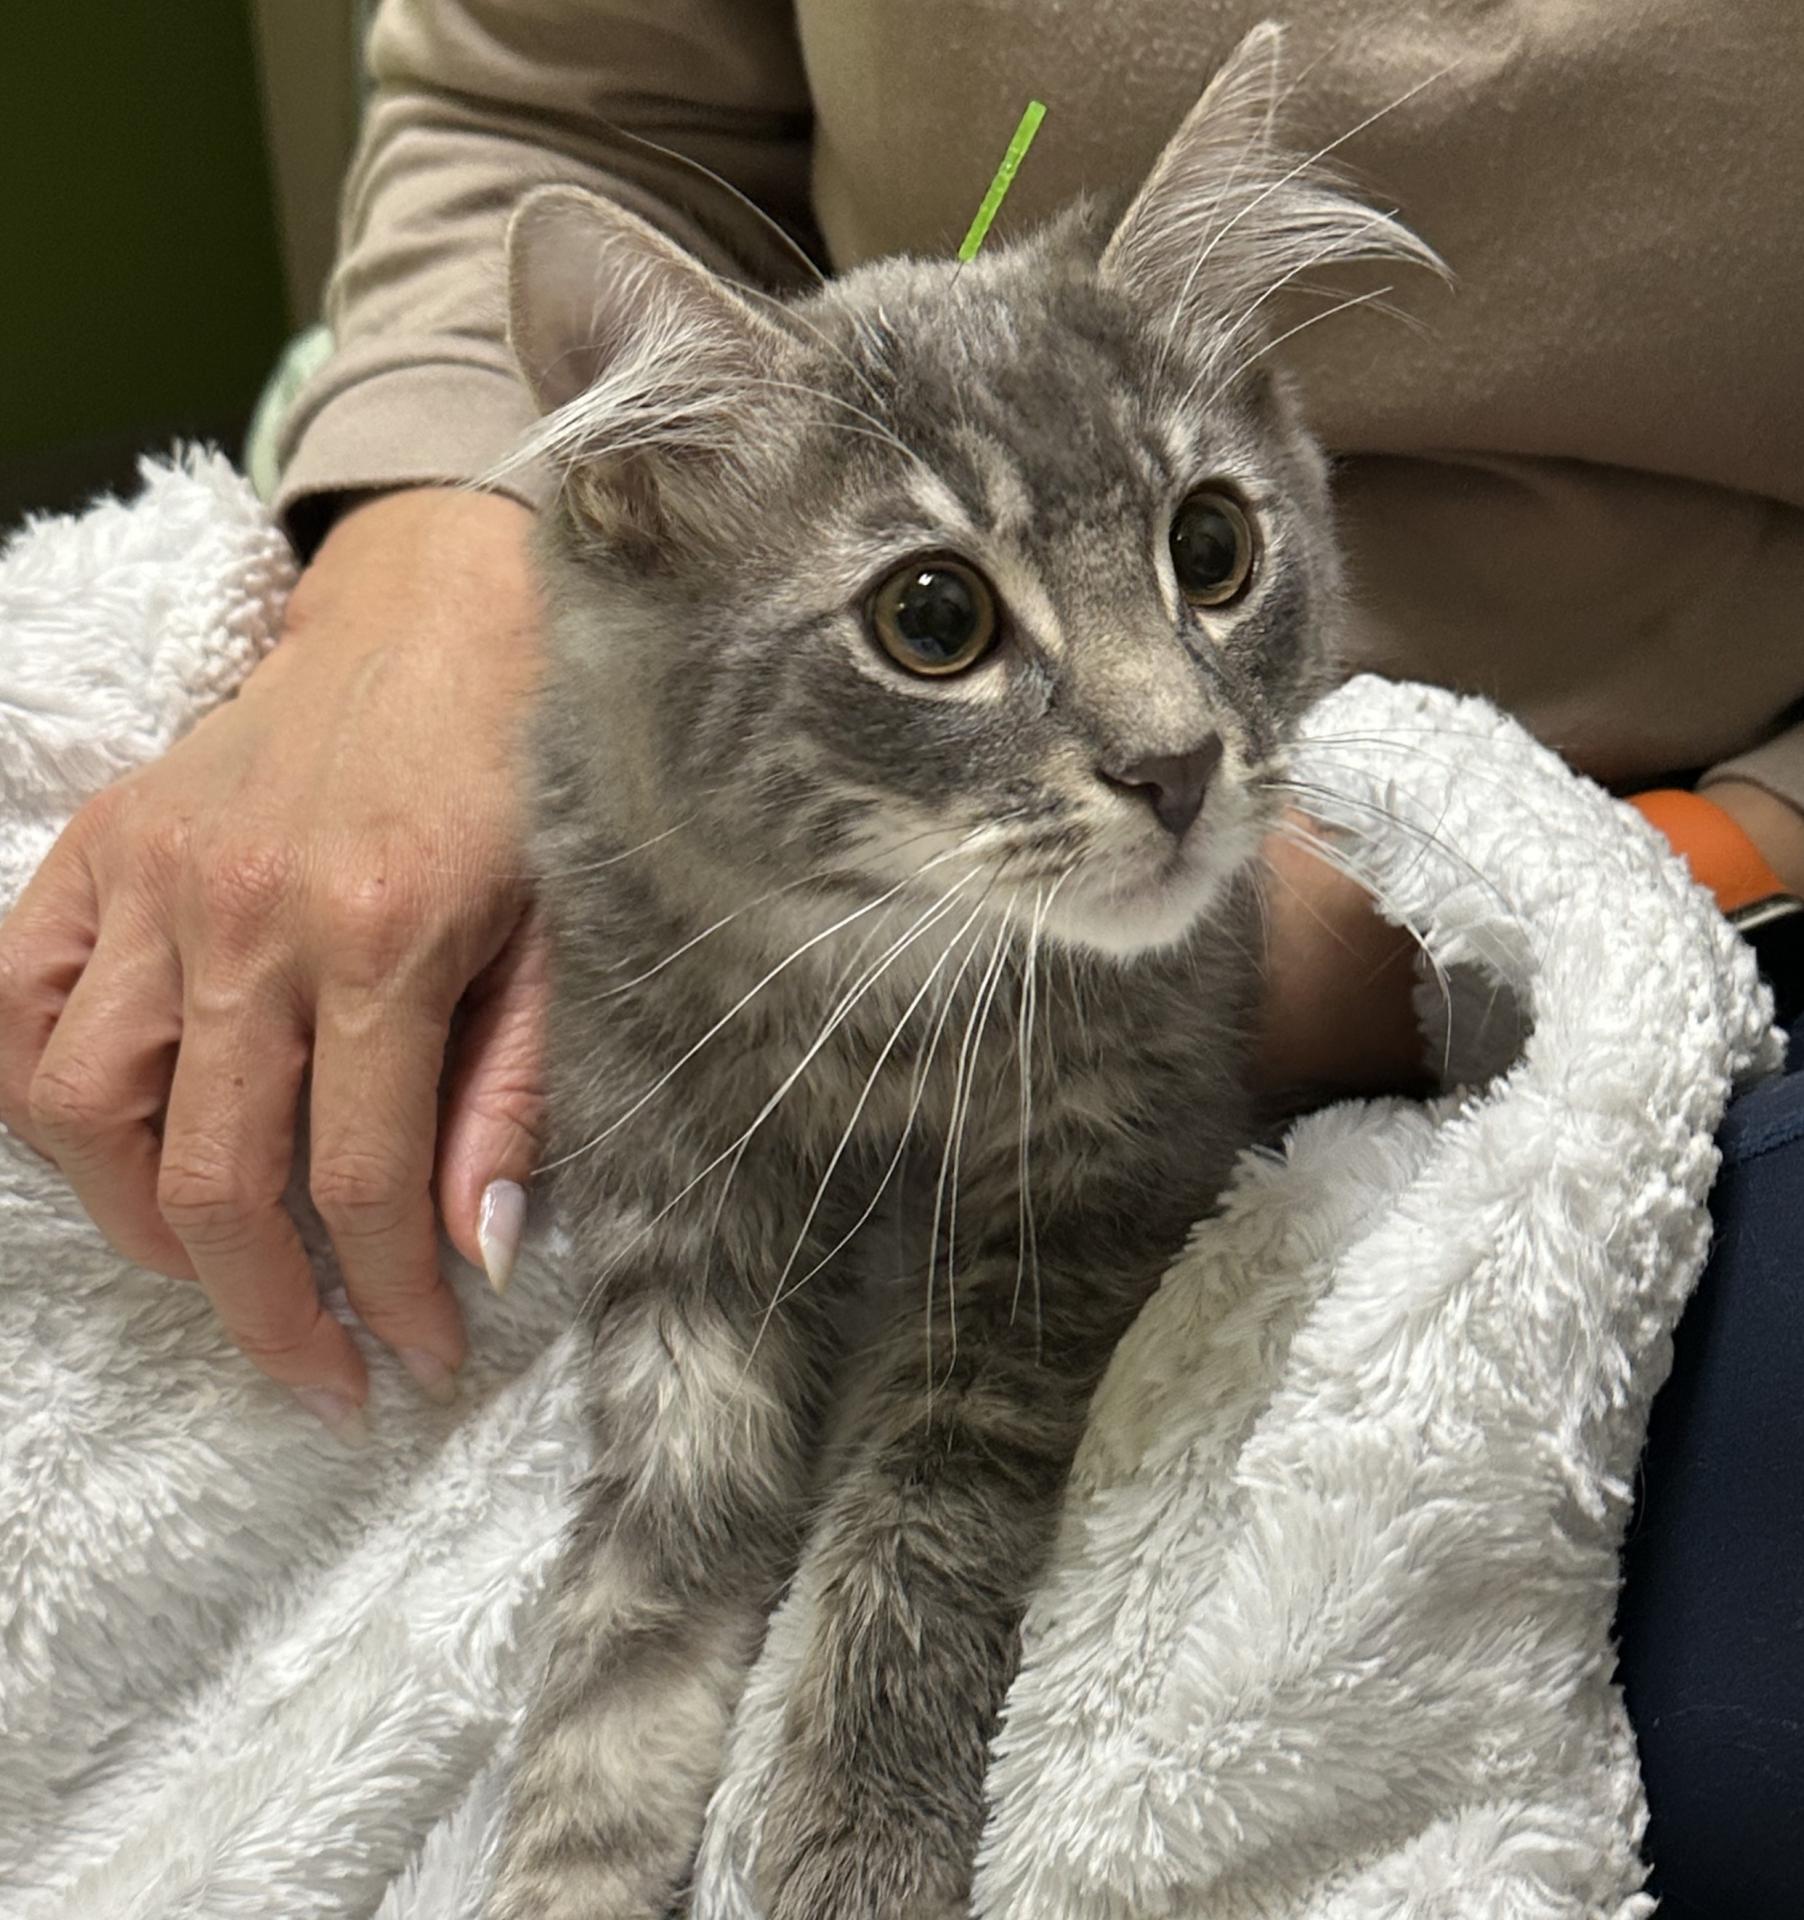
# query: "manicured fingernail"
[344,1417]
[500,1221]
[431,1375]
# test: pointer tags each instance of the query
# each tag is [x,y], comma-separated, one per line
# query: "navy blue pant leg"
[1712,1613]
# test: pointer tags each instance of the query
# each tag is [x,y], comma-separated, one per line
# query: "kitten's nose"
[1173,783]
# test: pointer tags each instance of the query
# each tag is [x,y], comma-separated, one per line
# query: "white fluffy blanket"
[1327,1632]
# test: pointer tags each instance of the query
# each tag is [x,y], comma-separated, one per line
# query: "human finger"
[228,1146]
[377,1062]
[103,1079]
[45,942]
[494,1111]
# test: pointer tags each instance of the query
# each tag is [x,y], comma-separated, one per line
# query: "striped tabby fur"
[864,974]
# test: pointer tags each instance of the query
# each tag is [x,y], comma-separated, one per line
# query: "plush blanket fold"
[1327,1629]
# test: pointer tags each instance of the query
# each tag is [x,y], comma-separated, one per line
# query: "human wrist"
[1337,1016]
[374,526]
[1774,826]
[1746,846]
[437,564]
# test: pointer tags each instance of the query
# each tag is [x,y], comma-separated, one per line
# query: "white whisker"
[1243,323]
[876,427]
[834,1021]
[1029,1254]
[781,1291]
[1290,333]
[762,899]
[917,1093]
[744,1001]
[1336,858]
[1330,797]
[795,315]
[961,1088]
[1313,161]
[836,1018]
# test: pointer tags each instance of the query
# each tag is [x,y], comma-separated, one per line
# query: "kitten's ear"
[1227,133]
[636,353]
[591,285]
[1227,216]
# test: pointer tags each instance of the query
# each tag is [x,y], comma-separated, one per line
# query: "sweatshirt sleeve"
[475,102]
[1776,764]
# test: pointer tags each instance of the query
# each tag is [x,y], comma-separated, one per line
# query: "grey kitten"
[918,651]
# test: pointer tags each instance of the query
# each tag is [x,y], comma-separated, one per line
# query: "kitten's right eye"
[935,616]
[1212,548]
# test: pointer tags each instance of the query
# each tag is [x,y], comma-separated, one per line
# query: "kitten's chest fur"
[968,1090]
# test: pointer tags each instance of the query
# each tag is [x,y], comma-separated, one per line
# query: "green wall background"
[141,294]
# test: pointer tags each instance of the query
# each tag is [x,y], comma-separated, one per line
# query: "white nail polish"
[343,1417]
[500,1221]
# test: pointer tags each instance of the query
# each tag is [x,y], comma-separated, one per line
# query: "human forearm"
[475,102]
[1338,1015]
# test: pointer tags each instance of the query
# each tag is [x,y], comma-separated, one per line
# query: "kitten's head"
[1015,575]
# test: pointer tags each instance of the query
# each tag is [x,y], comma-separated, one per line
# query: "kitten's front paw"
[830,1852]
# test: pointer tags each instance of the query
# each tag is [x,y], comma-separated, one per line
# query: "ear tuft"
[627,342]
[1227,218]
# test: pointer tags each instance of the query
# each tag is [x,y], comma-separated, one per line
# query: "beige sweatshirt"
[1577,486]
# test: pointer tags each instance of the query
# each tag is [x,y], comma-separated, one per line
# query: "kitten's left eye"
[935,616]
[1211,548]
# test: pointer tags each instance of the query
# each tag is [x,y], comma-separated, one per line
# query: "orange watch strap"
[1715,845]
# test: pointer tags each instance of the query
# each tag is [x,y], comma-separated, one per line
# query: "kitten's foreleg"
[686,1527]
[922,1567]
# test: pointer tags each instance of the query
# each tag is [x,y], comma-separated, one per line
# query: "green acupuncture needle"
[1005,178]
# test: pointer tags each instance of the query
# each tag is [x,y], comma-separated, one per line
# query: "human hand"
[1337,1016]
[323,879]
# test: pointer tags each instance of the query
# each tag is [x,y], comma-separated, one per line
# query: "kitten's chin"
[1118,912]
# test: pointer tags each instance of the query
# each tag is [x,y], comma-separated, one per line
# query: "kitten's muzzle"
[1174,785]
